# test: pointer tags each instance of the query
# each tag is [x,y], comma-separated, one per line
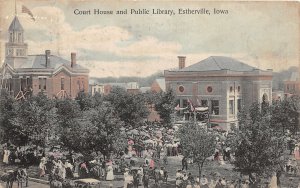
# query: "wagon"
[87,183]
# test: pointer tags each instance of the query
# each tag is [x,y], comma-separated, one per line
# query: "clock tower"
[15,48]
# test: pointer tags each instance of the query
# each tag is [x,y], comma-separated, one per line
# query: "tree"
[97,131]
[84,100]
[7,112]
[32,121]
[130,108]
[165,105]
[258,147]
[285,115]
[197,143]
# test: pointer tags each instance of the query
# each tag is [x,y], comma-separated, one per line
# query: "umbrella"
[133,131]
[149,141]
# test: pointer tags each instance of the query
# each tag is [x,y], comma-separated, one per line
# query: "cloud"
[259,35]
[136,55]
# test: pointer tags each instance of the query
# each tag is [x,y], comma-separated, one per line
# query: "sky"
[261,34]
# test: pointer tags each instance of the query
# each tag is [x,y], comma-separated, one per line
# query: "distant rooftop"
[162,83]
[215,63]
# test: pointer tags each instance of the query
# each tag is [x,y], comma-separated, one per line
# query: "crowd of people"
[145,157]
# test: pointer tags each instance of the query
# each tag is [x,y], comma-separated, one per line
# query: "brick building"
[159,85]
[292,85]
[23,74]
[222,84]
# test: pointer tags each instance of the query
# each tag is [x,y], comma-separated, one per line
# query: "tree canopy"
[259,148]
[197,143]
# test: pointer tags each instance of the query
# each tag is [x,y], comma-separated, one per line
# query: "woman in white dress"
[5,156]
[110,173]
[273,182]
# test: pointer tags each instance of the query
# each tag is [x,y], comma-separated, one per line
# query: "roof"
[215,63]
[145,89]
[39,62]
[294,76]
[15,25]
[162,83]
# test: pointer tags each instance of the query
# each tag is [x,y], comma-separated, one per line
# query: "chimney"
[73,59]
[47,55]
[181,61]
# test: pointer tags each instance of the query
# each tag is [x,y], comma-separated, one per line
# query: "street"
[31,184]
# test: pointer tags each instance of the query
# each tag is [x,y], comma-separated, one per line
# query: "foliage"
[258,147]
[197,143]
[130,108]
[98,130]
[33,120]
[68,112]
[285,115]
[7,111]
[165,105]
[84,100]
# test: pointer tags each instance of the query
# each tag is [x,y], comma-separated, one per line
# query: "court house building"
[23,75]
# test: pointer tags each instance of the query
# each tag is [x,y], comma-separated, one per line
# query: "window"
[62,83]
[82,84]
[215,107]
[239,105]
[43,83]
[239,88]
[78,85]
[231,107]
[10,37]
[209,89]
[19,37]
[231,89]
[204,103]
[181,89]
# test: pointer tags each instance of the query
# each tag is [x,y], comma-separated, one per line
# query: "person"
[110,173]
[152,164]
[296,152]
[197,183]
[223,182]
[135,180]
[189,184]
[291,146]
[69,169]
[6,155]
[83,170]
[165,159]
[219,184]
[42,167]
[146,179]
[179,177]
[273,182]
[127,178]
[184,163]
[61,169]
[288,165]
[204,182]
[216,156]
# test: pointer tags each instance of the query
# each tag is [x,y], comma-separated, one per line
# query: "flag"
[177,108]
[27,11]
[191,105]
[198,102]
